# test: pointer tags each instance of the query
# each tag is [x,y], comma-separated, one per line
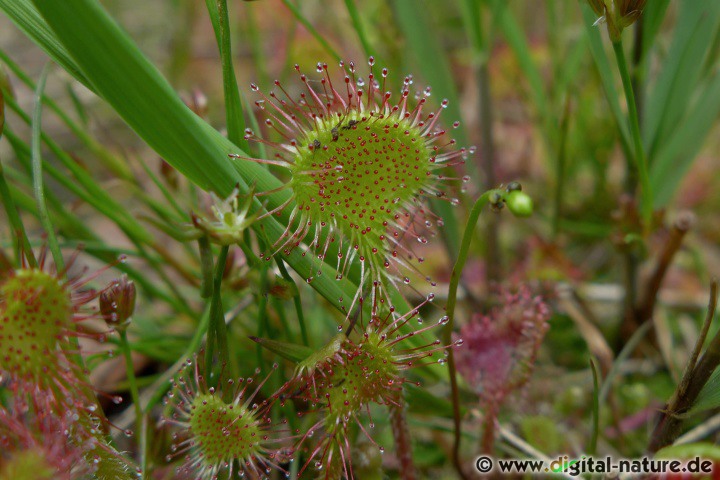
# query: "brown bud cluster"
[618,14]
[117,303]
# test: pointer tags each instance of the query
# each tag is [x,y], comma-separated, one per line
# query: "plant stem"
[135,394]
[262,320]
[401,435]
[296,300]
[38,187]
[694,379]
[487,439]
[561,162]
[493,263]
[639,158]
[450,310]
[217,332]
[22,244]
[233,102]
[646,303]
[595,409]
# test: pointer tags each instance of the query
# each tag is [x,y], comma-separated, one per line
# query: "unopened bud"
[232,218]
[617,14]
[117,303]
[512,186]
[169,174]
[519,203]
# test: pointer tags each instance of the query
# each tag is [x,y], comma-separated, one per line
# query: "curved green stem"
[134,393]
[480,203]
[639,158]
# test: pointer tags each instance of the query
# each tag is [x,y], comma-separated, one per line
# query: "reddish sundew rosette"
[361,168]
[343,379]
[40,313]
[500,348]
[215,437]
[39,445]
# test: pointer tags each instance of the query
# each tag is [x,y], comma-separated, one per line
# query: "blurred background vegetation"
[537,89]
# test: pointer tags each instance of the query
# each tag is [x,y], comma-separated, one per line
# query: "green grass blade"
[684,143]
[310,28]
[218,12]
[360,30]
[709,397]
[471,17]
[606,76]
[21,244]
[668,101]
[28,19]
[435,68]
[519,44]
[133,87]
[116,165]
[430,57]
[38,186]
[652,17]
[91,192]
[137,91]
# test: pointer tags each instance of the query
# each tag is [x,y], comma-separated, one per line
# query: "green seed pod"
[519,203]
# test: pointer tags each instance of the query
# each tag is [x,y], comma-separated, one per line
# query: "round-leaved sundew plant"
[344,378]
[361,167]
[221,438]
[38,444]
[500,350]
[39,316]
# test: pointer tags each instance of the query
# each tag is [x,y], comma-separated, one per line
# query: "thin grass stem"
[639,157]
[38,187]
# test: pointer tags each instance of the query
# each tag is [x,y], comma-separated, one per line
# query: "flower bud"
[231,218]
[117,303]
[512,186]
[617,14]
[519,203]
